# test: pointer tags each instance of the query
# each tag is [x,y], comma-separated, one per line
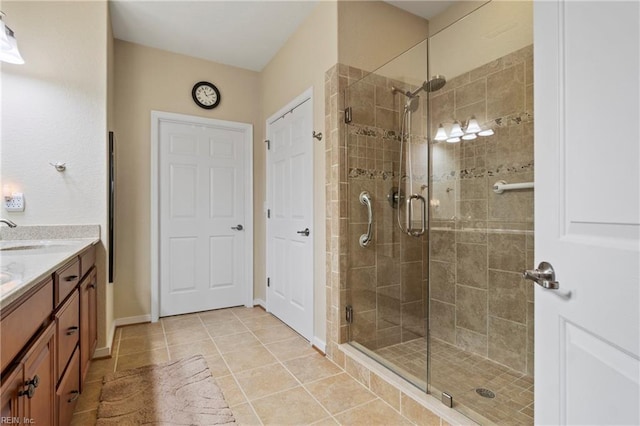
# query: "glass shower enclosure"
[438,235]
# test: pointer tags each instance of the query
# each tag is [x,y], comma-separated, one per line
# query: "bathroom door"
[289,226]
[587,139]
[205,236]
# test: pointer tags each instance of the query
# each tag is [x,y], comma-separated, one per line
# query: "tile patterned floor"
[269,375]
[459,373]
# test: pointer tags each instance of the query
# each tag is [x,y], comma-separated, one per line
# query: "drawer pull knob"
[75,395]
[72,330]
[31,390]
[35,381]
[71,278]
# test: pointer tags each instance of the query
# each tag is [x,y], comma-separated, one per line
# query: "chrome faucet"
[8,222]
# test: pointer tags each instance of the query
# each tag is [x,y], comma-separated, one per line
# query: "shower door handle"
[423,211]
[365,239]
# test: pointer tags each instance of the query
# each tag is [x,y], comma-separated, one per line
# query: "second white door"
[289,229]
[202,217]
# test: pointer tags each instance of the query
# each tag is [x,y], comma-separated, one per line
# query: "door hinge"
[268,213]
[348,117]
[268,142]
[349,314]
[268,282]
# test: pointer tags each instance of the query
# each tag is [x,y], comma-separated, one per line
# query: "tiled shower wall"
[386,281]
[481,241]
[400,395]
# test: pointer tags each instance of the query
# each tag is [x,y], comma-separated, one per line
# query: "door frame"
[158,117]
[306,96]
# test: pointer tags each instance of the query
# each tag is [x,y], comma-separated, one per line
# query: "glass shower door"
[386,287]
[481,310]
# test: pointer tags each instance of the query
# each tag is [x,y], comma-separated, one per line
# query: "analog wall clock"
[205,95]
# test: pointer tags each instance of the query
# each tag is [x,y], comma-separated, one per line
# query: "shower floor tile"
[460,373]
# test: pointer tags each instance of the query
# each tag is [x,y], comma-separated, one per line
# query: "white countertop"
[31,261]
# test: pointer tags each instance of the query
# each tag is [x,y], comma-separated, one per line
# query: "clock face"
[205,95]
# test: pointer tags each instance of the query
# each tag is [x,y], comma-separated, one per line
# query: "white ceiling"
[245,34]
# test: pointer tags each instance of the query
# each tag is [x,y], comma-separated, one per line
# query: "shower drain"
[485,393]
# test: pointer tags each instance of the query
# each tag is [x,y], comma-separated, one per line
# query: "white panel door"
[202,248]
[587,139]
[290,234]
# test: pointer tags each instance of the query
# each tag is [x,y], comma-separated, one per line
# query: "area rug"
[174,393]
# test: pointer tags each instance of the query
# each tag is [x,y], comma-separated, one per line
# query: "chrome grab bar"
[365,239]
[423,225]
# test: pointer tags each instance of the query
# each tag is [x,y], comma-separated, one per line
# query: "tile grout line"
[288,371]
[235,379]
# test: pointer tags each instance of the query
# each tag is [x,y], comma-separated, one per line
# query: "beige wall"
[150,79]
[490,32]
[299,65]
[371,33]
[54,108]
[451,14]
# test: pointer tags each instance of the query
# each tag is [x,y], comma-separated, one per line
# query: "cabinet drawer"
[87,260]
[19,326]
[68,331]
[66,279]
[68,391]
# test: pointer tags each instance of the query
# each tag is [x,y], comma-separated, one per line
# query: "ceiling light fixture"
[8,44]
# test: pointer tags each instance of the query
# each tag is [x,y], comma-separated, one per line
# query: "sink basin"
[35,247]
[29,247]
[5,277]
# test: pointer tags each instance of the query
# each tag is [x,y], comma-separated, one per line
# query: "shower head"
[413,103]
[436,82]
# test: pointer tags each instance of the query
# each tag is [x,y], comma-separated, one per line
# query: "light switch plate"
[15,203]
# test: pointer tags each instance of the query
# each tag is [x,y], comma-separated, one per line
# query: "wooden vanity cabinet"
[48,338]
[28,392]
[88,321]
[68,328]
[68,390]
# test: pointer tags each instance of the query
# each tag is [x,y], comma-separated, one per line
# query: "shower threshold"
[460,373]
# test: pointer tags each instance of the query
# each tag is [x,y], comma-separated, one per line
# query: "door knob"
[544,276]
[304,232]
[238,228]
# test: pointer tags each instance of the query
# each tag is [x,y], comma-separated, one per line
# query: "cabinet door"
[10,400]
[39,367]
[68,323]
[93,313]
[68,391]
[88,322]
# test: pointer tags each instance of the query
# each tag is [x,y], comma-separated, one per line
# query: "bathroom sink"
[28,247]
[35,247]
[5,277]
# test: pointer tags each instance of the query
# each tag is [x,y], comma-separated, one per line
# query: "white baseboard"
[260,302]
[132,320]
[106,351]
[320,344]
